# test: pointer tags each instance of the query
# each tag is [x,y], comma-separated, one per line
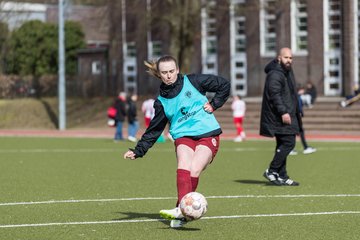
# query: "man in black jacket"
[280,115]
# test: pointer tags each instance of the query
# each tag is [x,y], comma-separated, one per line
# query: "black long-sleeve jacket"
[120,106]
[203,83]
[279,98]
[131,111]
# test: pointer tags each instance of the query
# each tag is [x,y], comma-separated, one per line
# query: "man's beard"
[286,66]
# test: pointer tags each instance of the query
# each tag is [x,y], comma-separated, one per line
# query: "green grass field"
[71,188]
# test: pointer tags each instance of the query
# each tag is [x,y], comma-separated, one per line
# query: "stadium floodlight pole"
[61,83]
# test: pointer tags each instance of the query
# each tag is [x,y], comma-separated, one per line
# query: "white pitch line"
[40,150]
[168,198]
[157,220]
[288,196]
[104,150]
[283,215]
[85,200]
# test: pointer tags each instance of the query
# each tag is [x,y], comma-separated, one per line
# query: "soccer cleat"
[172,214]
[309,150]
[293,152]
[178,223]
[288,182]
[272,177]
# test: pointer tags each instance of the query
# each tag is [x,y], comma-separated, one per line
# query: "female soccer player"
[182,102]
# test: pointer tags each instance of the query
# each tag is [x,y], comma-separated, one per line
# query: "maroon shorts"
[211,142]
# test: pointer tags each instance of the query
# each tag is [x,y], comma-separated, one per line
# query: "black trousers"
[284,145]
[303,140]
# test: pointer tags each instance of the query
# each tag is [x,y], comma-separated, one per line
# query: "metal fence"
[12,86]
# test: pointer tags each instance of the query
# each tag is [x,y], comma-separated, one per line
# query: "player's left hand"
[208,108]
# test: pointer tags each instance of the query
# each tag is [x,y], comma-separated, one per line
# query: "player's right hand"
[129,154]
[286,119]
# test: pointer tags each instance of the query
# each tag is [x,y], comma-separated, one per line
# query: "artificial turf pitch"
[77,188]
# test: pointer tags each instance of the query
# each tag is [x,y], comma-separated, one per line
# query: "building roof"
[93,19]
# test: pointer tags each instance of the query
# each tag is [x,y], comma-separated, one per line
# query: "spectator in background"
[149,111]
[311,90]
[350,99]
[238,108]
[309,95]
[307,148]
[120,106]
[133,126]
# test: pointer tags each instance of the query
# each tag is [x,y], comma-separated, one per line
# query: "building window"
[156,49]
[131,49]
[240,38]
[238,63]
[211,28]
[130,66]
[332,48]
[96,67]
[268,27]
[211,46]
[299,33]
[334,24]
[208,37]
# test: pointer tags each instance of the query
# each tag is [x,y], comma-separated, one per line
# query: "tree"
[183,20]
[74,40]
[33,48]
[4,33]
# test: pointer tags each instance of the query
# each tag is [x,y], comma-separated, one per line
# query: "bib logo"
[188,94]
[186,114]
[183,112]
[214,142]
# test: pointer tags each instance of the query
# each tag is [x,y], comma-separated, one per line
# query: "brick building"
[239,37]
[235,39]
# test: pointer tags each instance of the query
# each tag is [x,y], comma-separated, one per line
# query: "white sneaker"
[343,104]
[171,214]
[309,150]
[238,139]
[293,152]
[243,135]
[177,223]
[132,139]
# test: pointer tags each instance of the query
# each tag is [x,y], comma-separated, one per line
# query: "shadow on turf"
[135,215]
[259,182]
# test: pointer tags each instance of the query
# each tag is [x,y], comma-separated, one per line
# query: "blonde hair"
[153,66]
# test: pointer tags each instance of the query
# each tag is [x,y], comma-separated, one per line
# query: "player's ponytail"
[152,68]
